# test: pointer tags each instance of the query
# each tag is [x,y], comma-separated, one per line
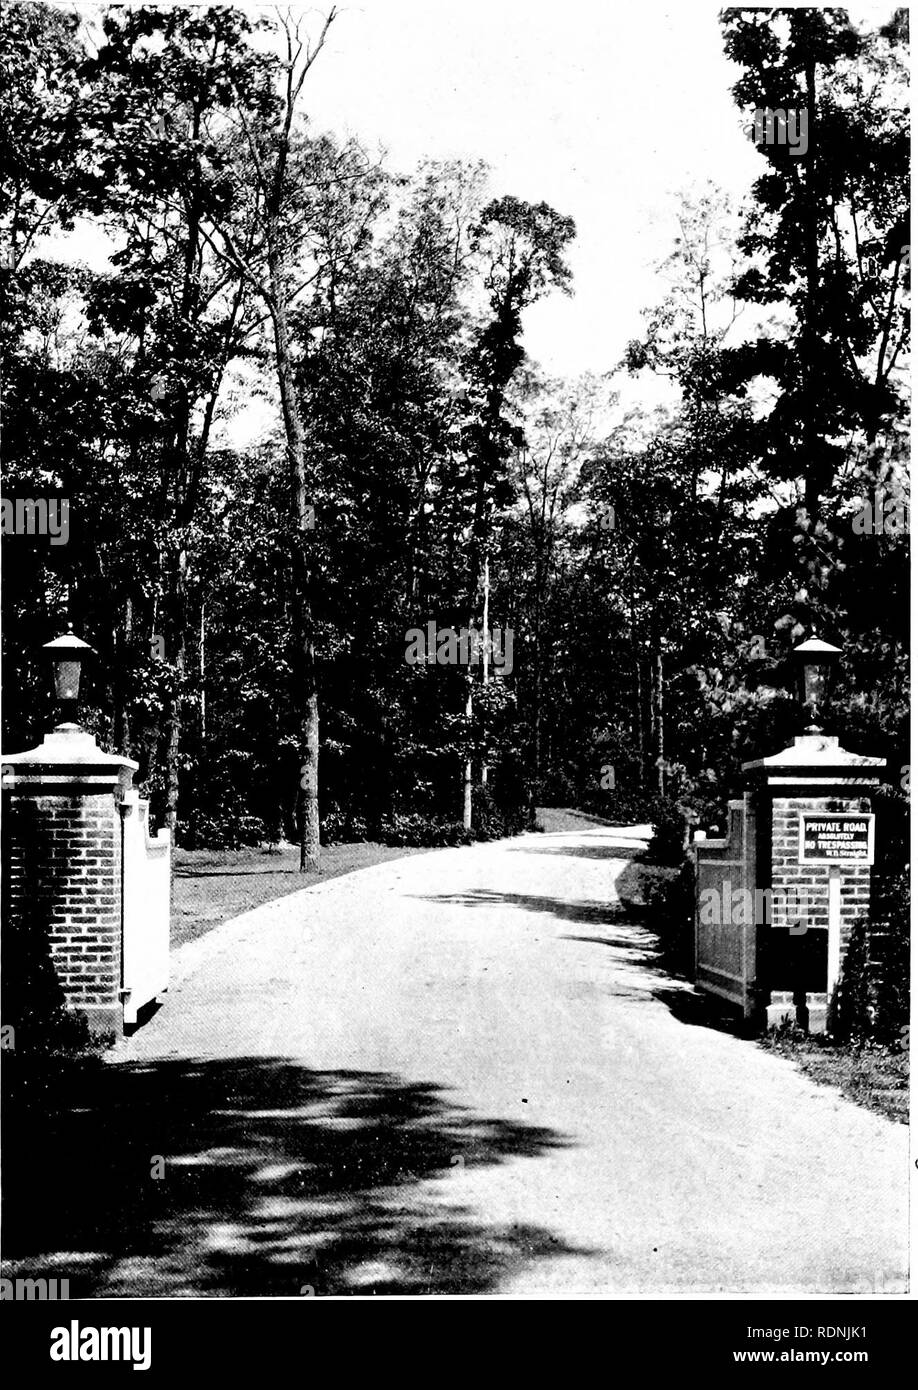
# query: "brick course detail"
[813,879]
[64,867]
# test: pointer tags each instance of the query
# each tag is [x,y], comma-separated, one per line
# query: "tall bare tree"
[302,192]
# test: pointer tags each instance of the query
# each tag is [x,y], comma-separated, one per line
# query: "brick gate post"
[815,851]
[62,832]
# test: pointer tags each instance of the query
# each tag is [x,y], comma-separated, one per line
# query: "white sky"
[603,110]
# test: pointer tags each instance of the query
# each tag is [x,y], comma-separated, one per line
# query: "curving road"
[466,1072]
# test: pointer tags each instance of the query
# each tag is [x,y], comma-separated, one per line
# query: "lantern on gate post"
[815,661]
[67,655]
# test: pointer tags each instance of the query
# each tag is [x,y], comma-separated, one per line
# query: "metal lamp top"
[67,643]
[813,646]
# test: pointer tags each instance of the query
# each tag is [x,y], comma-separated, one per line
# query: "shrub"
[622,806]
[493,820]
[890,964]
[224,829]
[342,827]
[669,899]
[558,788]
[670,834]
[850,1007]
[490,821]
[424,832]
[668,817]
[872,1000]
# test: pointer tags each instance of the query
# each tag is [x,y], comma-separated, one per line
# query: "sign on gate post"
[836,839]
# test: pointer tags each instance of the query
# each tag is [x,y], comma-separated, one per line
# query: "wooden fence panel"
[145,904]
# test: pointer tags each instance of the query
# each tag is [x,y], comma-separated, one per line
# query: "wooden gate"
[726,907]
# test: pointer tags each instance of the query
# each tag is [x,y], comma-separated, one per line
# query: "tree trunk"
[485,647]
[537,632]
[467,770]
[304,647]
[809,337]
[122,740]
[475,578]
[201,669]
[176,639]
[639,718]
[658,719]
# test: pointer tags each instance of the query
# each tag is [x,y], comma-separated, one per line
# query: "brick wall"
[813,879]
[63,865]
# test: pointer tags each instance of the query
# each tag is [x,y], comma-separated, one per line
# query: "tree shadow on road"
[254,1177]
[619,929]
[598,914]
[627,886]
[639,948]
[628,852]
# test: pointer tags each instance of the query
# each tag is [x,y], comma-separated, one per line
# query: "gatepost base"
[103,1020]
[780,1009]
[816,1014]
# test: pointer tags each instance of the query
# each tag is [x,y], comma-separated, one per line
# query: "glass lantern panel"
[816,680]
[67,679]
